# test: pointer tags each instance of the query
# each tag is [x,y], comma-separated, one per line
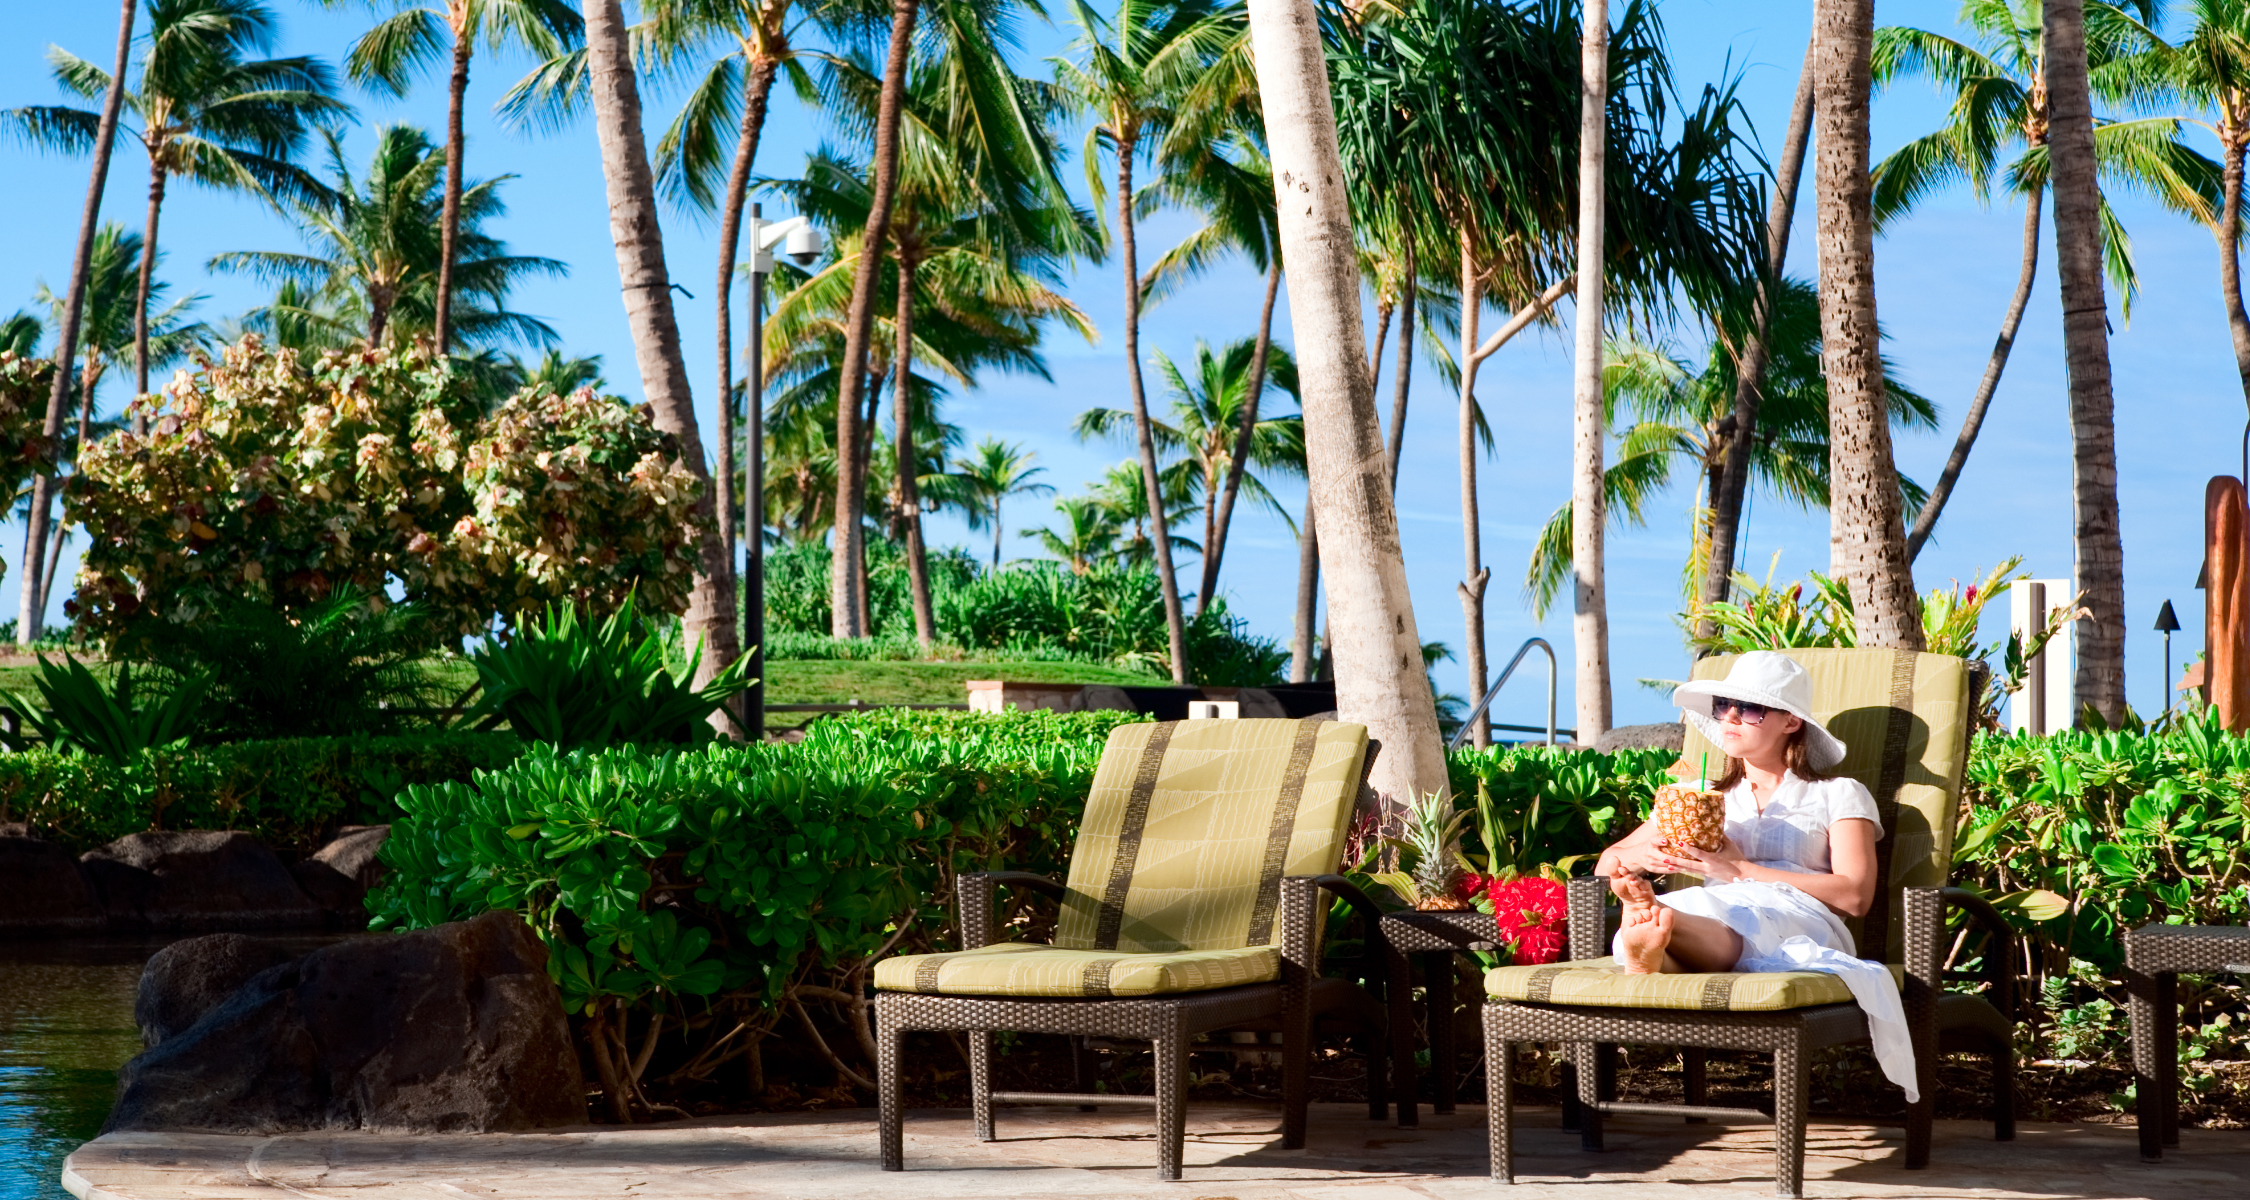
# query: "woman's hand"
[1723,865]
[1647,858]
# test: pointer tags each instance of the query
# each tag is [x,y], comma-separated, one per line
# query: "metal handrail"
[1510,669]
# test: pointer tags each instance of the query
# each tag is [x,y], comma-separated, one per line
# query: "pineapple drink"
[1691,816]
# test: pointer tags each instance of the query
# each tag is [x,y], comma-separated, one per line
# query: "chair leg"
[2168,1056]
[1398,999]
[1695,1073]
[1500,1105]
[890,1116]
[1589,1095]
[1921,1113]
[1373,1047]
[2141,1005]
[1566,1078]
[1171,1102]
[1296,1066]
[1790,1071]
[1438,986]
[980,1083]
[1082,1069]
[2004,1091]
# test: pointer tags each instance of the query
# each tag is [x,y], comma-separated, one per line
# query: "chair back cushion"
[1191,825]
[1905,721]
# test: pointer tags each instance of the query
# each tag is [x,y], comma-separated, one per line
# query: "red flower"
[1531,913]
[1471,883]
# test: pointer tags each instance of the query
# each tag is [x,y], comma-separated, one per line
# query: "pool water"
[66,1025]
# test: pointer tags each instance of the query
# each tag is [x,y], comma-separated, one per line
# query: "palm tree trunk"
[1927,519]
[89,376]
[762,72]
[647,293]
[2099,638]
[157,177]
[33,609]
[1476,574]
[1215,547]
[449,220]
[2231,145]
[859,331]
[1383,309]
[1403,373]
[862,464]
[1377,645]
[1175,622]
[1308,597]
[1866,538]
[909,488]
[1589,620]
[1731,480]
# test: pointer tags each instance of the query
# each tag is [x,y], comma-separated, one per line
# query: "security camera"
[805,245]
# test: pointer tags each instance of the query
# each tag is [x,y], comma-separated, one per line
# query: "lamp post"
[804,246]
[2167,623]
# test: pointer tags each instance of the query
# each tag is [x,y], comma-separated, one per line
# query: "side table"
[1436,937]
[2154,957]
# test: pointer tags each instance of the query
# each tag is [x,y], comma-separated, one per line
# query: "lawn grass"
[829,681]
[813,681]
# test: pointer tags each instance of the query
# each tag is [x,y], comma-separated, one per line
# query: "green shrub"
[797,595]
[290,794]
[117,719]
[348,664]
[567,681]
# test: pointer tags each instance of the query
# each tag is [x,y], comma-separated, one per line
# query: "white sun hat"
[1773,680]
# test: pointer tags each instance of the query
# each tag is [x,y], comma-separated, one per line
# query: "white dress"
[1784,929]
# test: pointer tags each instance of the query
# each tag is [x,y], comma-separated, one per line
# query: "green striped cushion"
[1598,983]
[1022,969]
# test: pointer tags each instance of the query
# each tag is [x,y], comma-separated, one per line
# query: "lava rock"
[344,899]
[452,1029]
[1665,735]
[197,879]
[44,890]
[186,980]
[352,854]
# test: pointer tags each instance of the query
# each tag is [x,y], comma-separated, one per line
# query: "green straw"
[1705,786]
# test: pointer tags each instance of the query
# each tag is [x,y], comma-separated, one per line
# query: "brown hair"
[1794,755]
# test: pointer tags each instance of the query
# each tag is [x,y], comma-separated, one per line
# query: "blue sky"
[1943,280]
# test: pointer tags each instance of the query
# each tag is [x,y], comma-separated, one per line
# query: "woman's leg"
[1654,938]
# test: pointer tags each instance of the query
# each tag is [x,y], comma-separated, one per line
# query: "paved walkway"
[1232,1154]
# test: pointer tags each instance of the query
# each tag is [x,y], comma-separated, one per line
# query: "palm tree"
[1867,540]
[397,49]
[30,614]
[990,473]
[647,292]
[1088,535]
[1379,680]
[2100,638]
[206,111]
[1678,420]
[1132,75]
[977,203]
[20,333]
[847,561]
[106,334]
[375,266]
[1590,606]
[2000,102]
[1207,409]
[1214,160]
[2211,70]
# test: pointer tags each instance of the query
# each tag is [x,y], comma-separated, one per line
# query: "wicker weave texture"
[2155,955]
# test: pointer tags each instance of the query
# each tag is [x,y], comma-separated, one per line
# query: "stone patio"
[1232,1154]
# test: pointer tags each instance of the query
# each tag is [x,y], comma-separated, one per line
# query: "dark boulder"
[1665,735]
[187,979]
[44,890]
[343,899]
[452,1029]
[197,879]
[352,854]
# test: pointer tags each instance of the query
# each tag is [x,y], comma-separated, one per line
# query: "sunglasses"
[1750,714]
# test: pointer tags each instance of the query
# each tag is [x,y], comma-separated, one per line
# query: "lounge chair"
[1906,718]
[1193,904]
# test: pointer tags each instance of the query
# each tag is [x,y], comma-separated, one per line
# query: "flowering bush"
[25,385]
[268,477]
[1533,914]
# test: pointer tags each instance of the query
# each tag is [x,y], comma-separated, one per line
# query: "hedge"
[290,794]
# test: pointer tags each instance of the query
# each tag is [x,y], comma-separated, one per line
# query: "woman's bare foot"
[1644,938]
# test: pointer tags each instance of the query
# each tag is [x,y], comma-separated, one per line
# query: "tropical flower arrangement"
[1533,913]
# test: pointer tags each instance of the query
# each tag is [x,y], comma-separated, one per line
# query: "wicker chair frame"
[2155,955]
[1169,1022]
[1938,1022]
